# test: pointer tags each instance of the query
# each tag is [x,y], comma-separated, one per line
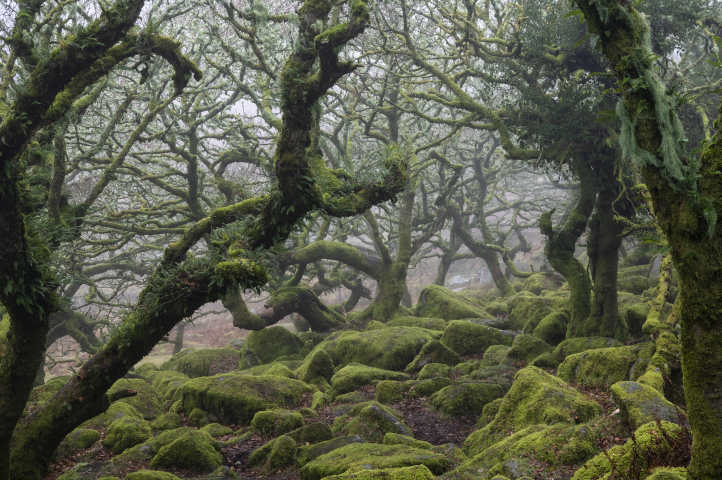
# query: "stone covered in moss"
[499,374]
[167,384]
[205,362]
[421,322]
[77,440]
[535,398]
[526,348]
[390,391]
[553,328]
[166,421]
[375,325]
[273,342]
[640,404]
[221,473]
[43,393]
[200,418]
[368,457]
[496,354]
[311,452]
[636,315]
[278,453]
[607,365]
[317,368]
[579,345]
[391,348]
[540,282]
[216,430]
[265,369]
[489,412]
[397,439]
[313,433]
[147,370]
[522,308]
[434,370]
[497,308]
[280,370]
[466,338]
[277,421]
[439,302]
[355,375]
[235,398]
[466,398]
[146,402]
[668,473]
[243,438]
[125,433]
[115,411]
[151,475]
[633,284]
[433,352]
[418,472]
[195,450]
[371,421]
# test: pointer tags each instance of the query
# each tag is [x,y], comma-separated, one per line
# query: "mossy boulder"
[668,473]
[369,457]
[317,369]
[311,452]
[421,322]
[636,315]
[243,438]
[434,370]
[390,391]
[313,433]
[235,398]
[371,421]
[500,374]
[397,439]
[216,430]
[522,308]
[496,354]
[375,325]
[43,393]
[552,329]
[526,348]
[578,345]
[466,338]
[535,398]
[167,384]
[200,418]
[489,412]
[269,369]
[195,450]
[207,362]
[115,411]
[606,366]
[77,440]
[539,282]
[146,401]
[126,432]
[274,342]
[636,284]
[277,421]
[278,453]
[466,398]
[147,370]
[391,348]
[418,472]
[640,404]
[355,375]
[433,352]
[280,370]
[166,421]
[150,475]
[439,302]
[497,308]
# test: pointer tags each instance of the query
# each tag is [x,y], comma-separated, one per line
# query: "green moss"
[668,473]
[553,328]
[239,439]
[277,421]
[390,391]
[466,398]
[421,322]
[535,398]
[434,370]
[433,352]
[489,412]
[166,421]
[234,398]
[204,363]
[355,375]
[526,348]
[167,384]
[317,369]
[375,325]
[635,284]
[582,344]
[367,456]
[496,354]
[545,361]
[125,433]
[114,412]
[75,441]
[200,418]
[539,282]
[391,348]
[500,374]
[319,400]
[466,338]
[635,316]
[497,308]
[273,342]
[146,402]
[438,302]
[278,453]
[280,370]
[147,370]
[43,393]
[195,450]
[607,365]
[313,433]
[221,473]
[640,404]
[151,475]
[419,472]
[536,318]
[371,421]
[523,307]
[397,439]
[216,430]
[311,452]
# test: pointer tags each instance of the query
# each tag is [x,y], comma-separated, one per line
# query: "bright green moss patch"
[114,412]
[311,452]
[375,325]
[280,370]
[418,472]
[466,398]
[167,384]
[278,453]
[397,439]
[43,393]
[317,367]
[522,308]
[313,433]
[147,370]
[371,421]
[421,322]
[440,302]
[277,421]
[151,475]
[274,342]
[234,398]
[434,370]
[467,338]
[633,284]
[125,433]
[526,348]
[582,344]
[207,362]
[640,404]
[352,376]
[540,282]
[166,421]
[433,352]
[216,430]
[607,365]
[146,402]
[368,456]
[200,418]
[75,441]
[390,391]
[553,328]
[196,450]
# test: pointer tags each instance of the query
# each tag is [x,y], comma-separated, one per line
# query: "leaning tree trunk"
[687,204]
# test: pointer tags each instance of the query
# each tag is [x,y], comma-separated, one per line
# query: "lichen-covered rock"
[200,418]
[421,322]
[391,348]
[167,384]
[274,342]
[390,391]
[397,439]
[371,421]
[235,398]
[466,398]
[640,404]
[650,443]
[418,472]
[439,302]
[278,453]
[582,344]
[311,452]
[216,430]
[526,348]
[607,365]
[75,441]
[355,375]
[313,433]
[367,456]
[467,338]
[535,398]
[195,450]
[522,308]
[317,369]
[166,421]
[552,329]
[277,421]
[125,433]
[150,475]
[433,352]
[434,370]
[146,402]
